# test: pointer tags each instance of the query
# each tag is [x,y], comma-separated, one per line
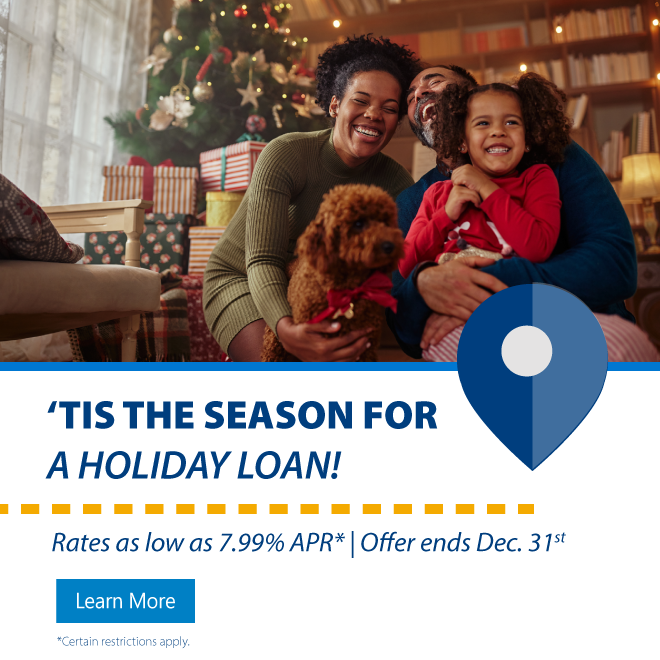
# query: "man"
[594,257]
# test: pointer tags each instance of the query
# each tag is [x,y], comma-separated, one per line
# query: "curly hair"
[339,63]
[547,128]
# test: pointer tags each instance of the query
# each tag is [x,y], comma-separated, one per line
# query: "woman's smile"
[367,116]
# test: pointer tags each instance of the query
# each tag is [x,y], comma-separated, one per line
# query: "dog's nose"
[388,247]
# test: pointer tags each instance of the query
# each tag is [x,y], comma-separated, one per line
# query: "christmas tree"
[222,70]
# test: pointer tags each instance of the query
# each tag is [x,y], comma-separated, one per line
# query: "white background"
[595,596]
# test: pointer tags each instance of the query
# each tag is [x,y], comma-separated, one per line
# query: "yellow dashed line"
[433,508]
[371,508]
[189,509]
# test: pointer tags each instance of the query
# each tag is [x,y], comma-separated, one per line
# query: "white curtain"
[64,65]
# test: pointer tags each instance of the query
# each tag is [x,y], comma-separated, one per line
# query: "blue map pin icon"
[538,326]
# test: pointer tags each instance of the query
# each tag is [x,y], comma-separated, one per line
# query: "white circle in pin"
[526,351]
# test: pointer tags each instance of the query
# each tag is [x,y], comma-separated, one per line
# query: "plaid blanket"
[163,336]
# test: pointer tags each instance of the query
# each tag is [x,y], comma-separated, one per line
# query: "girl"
[506,202]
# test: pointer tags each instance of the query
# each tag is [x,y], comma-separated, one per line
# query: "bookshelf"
[510,33]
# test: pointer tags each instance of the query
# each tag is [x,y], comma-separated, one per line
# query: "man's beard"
[423,132]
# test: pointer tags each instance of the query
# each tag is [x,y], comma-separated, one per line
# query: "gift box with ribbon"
[172,189]
[231,167]
[163,244]
[202,242]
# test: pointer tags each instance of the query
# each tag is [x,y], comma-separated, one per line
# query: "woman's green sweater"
[245,278]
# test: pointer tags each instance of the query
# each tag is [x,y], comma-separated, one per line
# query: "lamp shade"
[641,178]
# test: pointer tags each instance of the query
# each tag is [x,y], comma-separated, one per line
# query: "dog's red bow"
[376,287]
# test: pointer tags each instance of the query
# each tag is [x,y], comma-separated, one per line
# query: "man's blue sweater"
[594,257]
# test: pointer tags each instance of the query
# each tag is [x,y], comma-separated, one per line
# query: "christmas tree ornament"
[239,12]
[271,20]
[298,97]
[171,34]
[175,108]
[250,94]
[276,115]
[156,60]
[227,54]
[278,71]
[255,124]
[258,61]
[308,107]
[240,64]
[203,92]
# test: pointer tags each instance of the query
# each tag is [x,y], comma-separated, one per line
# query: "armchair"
[39,297]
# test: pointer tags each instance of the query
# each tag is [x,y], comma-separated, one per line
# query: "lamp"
[640,183]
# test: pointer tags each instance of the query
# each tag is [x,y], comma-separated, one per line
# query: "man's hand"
[457,288]
[472,179]
[437,327]
[458,199]
[307,341]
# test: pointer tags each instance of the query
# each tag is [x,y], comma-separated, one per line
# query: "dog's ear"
[311,245]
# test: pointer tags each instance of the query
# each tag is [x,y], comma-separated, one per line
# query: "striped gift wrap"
[229,168]
[202,242]
[175,188]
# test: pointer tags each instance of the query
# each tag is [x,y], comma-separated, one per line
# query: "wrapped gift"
[172,189]
[221,207]
[231,167]
[202,242]
[163,244]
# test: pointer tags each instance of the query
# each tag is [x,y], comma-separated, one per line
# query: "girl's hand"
[307,343]
[437,327]
[458,199]
[472,178]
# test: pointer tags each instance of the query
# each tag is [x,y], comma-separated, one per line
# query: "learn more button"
[125,601]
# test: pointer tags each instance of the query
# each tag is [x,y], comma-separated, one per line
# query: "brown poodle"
[353,236]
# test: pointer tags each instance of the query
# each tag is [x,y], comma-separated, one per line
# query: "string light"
[656,22]
[254,26]
[187,98]
[283,96]
[254,59]
[659,76]
[258,89]
[208,83]
[288,30]
[180,38]
[558,29]
[285,40]
[305,39]
[336,23]
[293,43]
[222,13]
[243,6]
[266,25]
[523,67]
[196,47]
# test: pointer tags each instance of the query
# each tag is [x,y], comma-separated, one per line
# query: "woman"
[360,86]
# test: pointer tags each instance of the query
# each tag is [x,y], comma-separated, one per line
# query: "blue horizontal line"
[273,366]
